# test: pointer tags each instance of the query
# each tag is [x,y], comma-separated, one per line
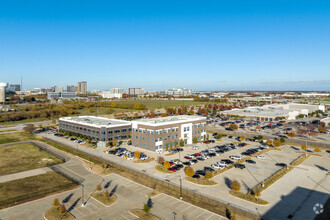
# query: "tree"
[56,203]
[181,142]
[277,143]
[242,138]
[62,209]
[90,110]
[317,150]
[175,143]
[137,154]
[233,127]
[218,136]
[304,147]
[292,134]
[208,175]
[146,209]
[235,186]
[322,129]
[106,194]
[260,137]
[282,140]
[189,171]
[207,137]
[98,187]
[166,164]
[268,142]
[29,128]
[160,160]
[108,144]
[195,140]
[114,143]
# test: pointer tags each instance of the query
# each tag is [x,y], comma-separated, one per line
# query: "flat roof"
[259,112]
[95,121]
[168,120]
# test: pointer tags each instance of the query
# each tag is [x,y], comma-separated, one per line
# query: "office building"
[112,93]
[13,88]
[164,132]
[61,95]
[96,128]
[58,89]
[135,91]
[82,87]
[72,88]
[179,92]
[3,87]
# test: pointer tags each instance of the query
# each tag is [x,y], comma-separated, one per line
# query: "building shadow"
[301,203]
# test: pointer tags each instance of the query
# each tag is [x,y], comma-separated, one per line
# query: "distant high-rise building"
[3,87]
[135,91]
[58,89]
[72,88]
[82,87]
[13,88]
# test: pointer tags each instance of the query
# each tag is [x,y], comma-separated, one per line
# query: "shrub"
[208,175]
[166,164]
[189,171]
[292,134]
[98,187]
[233,127]
[268,142]
[62,209]
[160,160]
[137,154]
[56,203]
[277,143]
[317,150]
[235,186]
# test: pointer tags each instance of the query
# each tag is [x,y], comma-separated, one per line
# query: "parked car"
[260,157]
[217,166]
[209,169]
[251,161]
[196,176]
[241,166]
[235,157]
[281,164]
[200,172]
[195,147]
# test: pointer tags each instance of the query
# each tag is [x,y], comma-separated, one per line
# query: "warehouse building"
[96,128]
[164,132]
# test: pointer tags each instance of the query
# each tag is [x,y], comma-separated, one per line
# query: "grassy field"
[30,120]
[22,157]
[22,190]
[9,130]
[15,137]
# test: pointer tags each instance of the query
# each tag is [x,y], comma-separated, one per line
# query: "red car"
[198,154]
[186,157]
[172,169]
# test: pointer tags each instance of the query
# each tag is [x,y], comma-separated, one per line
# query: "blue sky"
[203,45]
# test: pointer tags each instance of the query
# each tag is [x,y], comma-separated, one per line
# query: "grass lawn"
[143,216]
[30,120]
[201,181]
[54,214]
[106,201]
[144,161]
[22,157]
[9,130]
[15,137]
[22,190]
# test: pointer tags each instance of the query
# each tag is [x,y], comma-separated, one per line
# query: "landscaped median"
[105,198]
[162,169]
[201,181]
[54,213]
[144,161]
[249,197]
[142,215]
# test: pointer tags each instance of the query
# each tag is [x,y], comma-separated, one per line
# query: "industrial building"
[61,95]
[179,92]
[275,112]
[96,128]
[164,132]
[72,88]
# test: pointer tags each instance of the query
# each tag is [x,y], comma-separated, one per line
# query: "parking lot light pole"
[174,214]
[82,194]
[180,187]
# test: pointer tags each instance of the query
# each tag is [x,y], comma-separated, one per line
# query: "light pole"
[82,194]
[180,187]
[174,214]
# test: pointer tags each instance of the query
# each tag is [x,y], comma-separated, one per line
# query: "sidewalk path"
[24,174]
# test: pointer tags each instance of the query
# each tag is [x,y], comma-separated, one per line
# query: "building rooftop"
[95,121]
[168,120]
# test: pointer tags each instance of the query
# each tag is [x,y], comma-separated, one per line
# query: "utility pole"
[180,187]
[82,193]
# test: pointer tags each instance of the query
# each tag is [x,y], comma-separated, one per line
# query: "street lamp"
[174,214]
[180,187]
[82,194]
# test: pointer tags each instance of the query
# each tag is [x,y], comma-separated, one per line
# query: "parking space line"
[124,217]
[209,216]
[186,208]
[203,212]
[183,203]
[194,211]
[174,203]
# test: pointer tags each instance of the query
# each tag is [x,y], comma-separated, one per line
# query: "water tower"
[3,87]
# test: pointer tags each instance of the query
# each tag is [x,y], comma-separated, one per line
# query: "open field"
[15,137]
[22,157]
[22,190]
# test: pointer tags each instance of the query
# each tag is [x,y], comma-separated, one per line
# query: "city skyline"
[215,46]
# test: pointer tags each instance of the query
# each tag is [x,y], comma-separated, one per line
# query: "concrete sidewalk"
[24,174]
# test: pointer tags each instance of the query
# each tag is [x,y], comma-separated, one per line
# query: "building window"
[117,131]
[123,130]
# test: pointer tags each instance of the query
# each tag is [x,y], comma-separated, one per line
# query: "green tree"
[282,140]
[195,140]
[90,110]
[218,136]
[207,137]
[260,137]
[146,209]
[233,127]
[160,160]
[181,142]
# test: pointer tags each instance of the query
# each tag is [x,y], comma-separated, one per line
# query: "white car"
[222,163]
[130,158]
[195,147]
[159,151]
[235,157]
[217,166]
[260,157]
